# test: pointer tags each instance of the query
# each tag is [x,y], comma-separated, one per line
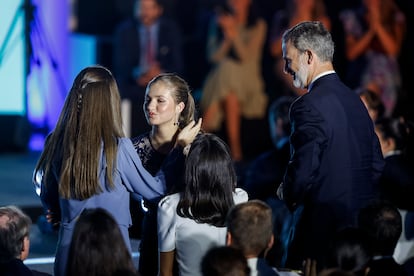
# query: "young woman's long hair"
[209,180]
[90,119]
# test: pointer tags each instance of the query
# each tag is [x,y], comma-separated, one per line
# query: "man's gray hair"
[311,35]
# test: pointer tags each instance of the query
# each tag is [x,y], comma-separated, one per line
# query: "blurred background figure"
[265,173]
[397,180]
[144,47]
[374,35]
[381,221]
[235,87]
[98,247]
[373,103]
[295,11]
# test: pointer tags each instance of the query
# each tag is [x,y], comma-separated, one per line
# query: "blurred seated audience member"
[265,173]
[14,242]
[382,222]
[224,261]
[98,247]
[397,179]
[295,12]
[350,251]
[144,46]
[373,103]
[234,88]
[250,229]
[374,35]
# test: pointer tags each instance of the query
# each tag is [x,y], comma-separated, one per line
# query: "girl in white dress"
[191,222]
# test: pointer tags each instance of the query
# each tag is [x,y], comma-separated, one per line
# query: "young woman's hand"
[188,133]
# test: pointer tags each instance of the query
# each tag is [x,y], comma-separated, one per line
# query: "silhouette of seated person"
[350,251]
[374,34]
[144,46]
[14,242]
[265,173]
[224,261]
[98,247]
[373,103]
[397,179]
[234,88]
[382,222]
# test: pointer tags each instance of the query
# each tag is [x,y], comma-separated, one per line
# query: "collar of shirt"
[319,76]
[391,153]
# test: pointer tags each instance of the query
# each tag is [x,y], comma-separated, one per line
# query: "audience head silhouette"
[382,221]
[224,261]
[97,246]
[250,229]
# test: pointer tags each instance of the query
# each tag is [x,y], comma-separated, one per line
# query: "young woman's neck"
[163,137]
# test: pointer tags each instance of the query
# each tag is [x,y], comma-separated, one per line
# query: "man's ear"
[310,56]
[228,239]
[271,241]
[25,248]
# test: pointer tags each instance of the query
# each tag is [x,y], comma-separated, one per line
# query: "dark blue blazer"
[127,52]
[335,154]
[335,161]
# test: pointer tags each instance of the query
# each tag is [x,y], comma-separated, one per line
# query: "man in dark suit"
[335,157]
[145,46]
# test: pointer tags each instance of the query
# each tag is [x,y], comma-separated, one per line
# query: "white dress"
[190,239]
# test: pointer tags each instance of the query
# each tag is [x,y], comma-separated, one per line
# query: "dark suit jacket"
[127,53]
[336,159]
[17,268]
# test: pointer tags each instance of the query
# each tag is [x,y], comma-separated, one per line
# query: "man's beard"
[301,75]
